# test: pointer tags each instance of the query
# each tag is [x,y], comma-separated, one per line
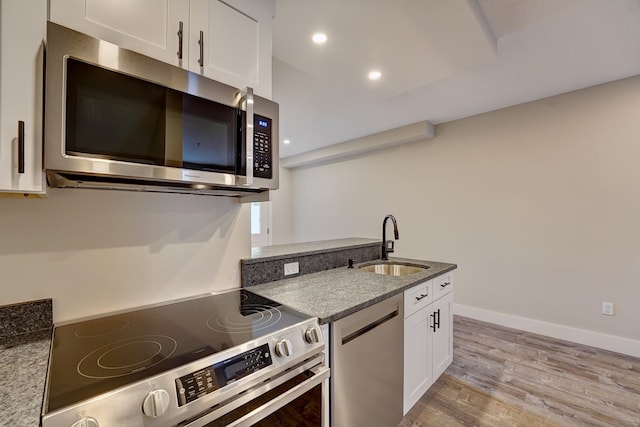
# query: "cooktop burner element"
[92,329]
[127,356]
[251,318]
[96,356]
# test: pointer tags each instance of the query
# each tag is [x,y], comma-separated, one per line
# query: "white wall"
[99,251]
[538,204]
[282,217]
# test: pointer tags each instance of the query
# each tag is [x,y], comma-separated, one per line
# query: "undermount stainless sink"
[393,269]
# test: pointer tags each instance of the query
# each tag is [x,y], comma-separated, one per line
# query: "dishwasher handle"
[361,331]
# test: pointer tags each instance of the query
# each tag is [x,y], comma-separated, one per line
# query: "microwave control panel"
[262,147]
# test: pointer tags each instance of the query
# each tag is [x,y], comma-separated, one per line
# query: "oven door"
[295,398]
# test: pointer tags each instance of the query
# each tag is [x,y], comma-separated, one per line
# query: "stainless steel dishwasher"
[366,371]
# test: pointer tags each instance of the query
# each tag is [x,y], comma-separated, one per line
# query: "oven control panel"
[200,383]
[262,152]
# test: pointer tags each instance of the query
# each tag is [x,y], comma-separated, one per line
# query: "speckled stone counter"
[332,294]
[267,263]
[25,339]
[267,253]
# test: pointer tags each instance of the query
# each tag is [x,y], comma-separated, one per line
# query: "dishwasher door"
[367,371]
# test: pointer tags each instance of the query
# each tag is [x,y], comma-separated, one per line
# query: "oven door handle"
[321,373]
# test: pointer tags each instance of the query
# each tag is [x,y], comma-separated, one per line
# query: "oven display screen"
[197,384]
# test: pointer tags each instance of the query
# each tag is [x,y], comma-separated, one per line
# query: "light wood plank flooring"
[506,377]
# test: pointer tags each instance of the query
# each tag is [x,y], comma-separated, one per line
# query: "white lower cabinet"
[428,336]
[442,335]
[417,358]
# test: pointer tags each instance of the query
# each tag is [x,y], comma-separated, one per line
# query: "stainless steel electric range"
[228,359]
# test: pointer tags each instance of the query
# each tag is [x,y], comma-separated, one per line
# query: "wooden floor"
[506,377]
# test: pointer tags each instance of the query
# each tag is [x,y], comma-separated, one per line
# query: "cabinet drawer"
[442,285]
[417,297]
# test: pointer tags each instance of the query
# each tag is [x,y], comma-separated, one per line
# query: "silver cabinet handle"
[20,146]
[201,43]
[180,36]
[422,297]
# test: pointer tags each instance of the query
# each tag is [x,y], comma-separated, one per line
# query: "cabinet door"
[230,42]
[22,26]
[149,27]
[443,334]
[417,357]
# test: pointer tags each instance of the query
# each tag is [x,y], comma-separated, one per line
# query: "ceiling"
[441,60]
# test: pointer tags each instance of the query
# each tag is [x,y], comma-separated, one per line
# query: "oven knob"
[311,335]
[156,403]
[86,422]
[283,348]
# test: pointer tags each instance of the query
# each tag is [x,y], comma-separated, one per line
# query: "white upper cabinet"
[227,41]
[22,26]
[149,27]
[230,41]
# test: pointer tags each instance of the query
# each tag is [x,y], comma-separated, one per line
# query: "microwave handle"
[245,101]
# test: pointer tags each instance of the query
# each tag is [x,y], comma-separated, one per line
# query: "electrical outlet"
[291,268]
[607,308]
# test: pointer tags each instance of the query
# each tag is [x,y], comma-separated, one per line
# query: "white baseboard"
[581,336]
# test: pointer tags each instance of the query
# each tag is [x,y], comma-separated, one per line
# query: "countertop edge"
[382,297]
[351,290]
[248,261]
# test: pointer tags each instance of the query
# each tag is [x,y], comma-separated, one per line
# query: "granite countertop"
[332,294]
[23,370]
[267,253]
[25,339]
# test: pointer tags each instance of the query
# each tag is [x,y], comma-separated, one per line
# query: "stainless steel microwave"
[116,119]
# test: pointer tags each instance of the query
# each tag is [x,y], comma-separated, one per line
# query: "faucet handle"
[389,244]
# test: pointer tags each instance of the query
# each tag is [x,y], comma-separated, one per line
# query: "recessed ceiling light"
[374,75]
[319,38]
[286,142]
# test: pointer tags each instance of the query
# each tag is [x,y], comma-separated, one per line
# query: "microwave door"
[208,135]
[113,116]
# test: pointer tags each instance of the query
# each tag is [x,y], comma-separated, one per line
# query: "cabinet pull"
[180,33]
[436,320]
[20,146]
[422,296]
[445,284]
[201,43]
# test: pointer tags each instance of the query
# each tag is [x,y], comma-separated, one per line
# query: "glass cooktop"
[95,356]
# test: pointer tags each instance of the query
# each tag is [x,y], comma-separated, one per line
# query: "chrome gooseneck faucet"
[387,247]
